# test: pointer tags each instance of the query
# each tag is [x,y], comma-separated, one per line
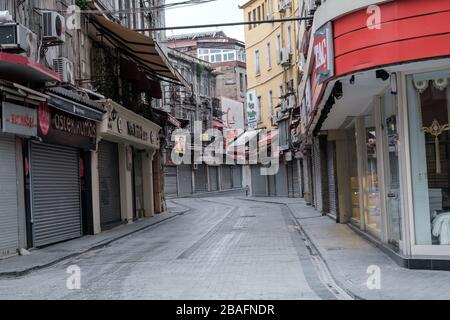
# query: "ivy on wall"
[105,67]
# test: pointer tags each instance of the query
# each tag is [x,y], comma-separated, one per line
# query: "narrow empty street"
[222,248]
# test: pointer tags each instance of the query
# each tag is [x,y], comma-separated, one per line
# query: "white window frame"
[257,62]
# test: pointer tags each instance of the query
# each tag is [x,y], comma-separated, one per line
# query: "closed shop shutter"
[9,237]
[226,177]
[281,181]
[214,178]
[201,178]
[237,177]
[317,176]
[185,179]
[332,186]
[109,183]
[296,178]
[170,181]
[258,182]
[55,196]
[293,179]
[272,185]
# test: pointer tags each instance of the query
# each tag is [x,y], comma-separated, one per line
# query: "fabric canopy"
[144,50]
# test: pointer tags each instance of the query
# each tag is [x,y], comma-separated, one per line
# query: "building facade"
[273,74]
[78,135]
[375,99]
[215,66]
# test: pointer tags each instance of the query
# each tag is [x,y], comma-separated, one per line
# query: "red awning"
[15,67]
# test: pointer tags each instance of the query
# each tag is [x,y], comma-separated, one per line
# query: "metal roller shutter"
[201,178]
[259,182]
[296,178]
[109,183]
[185,179]
[332,186]
[281,181]
[226,177]
[55,184]
[317,176]
[9,237]
[237,177]
[170,181]
[214,178]
[293,179]
[272,185]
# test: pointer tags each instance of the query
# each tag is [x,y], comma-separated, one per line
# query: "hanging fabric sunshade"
[434,111]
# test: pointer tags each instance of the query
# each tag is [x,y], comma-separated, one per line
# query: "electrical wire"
[167,6]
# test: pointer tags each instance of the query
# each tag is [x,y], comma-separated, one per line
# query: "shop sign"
[59,127]
[121,122]
[252,109]
[137,131]
[323,51]
[19,120]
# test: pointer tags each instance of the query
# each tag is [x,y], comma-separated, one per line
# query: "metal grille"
[9,238]
[109,183]
[56,203]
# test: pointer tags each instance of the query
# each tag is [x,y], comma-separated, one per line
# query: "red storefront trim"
[24,62]
[410,30]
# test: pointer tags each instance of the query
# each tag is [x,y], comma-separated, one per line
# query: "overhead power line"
[226,24]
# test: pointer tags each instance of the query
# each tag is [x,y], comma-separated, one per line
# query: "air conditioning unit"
[283,5]
[64,67]
[16,38]
[54,28]
[286,57]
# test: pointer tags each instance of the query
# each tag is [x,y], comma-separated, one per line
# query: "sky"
[219,11]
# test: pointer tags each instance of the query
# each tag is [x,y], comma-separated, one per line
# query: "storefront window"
[372,209]
[429,123]
[354,183]
[392,173]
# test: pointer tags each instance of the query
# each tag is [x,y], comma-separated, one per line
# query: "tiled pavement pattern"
[224,248]
[348,256]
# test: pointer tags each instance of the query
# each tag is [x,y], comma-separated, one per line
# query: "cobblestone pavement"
[224,248]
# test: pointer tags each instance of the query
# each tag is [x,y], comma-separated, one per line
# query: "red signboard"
[324,53]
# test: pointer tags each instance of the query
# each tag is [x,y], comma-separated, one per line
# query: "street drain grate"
[247,217]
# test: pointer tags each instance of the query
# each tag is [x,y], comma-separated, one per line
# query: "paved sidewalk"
[348,257]
[40,258]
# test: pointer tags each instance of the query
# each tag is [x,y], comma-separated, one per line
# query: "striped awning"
[142,49]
